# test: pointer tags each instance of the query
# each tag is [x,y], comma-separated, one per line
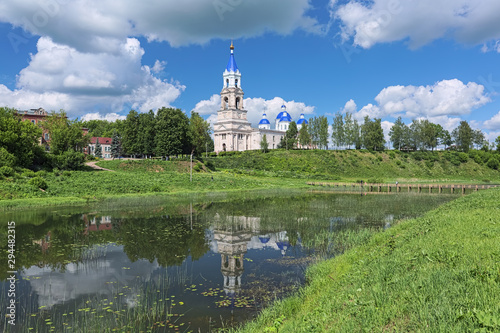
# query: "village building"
[232,131]
[105,146]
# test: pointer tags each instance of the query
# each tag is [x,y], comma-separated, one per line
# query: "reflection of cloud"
[89,277]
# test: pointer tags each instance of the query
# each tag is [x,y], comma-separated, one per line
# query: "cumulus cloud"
[441,103]
[59,76]
[101,25]
[111,117]
[493,123]
[256,107]
[420,22]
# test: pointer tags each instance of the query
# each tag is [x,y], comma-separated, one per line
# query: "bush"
[392,155]
[198,167]
[66,173]
[28,174]
[69,160]
[41,173]
[6,158]
[463,157]
[7,171]
[493,163]
[38,182]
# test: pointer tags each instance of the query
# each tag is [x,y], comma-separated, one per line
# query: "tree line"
[421,135]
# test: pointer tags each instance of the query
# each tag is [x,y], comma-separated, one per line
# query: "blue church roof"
[302,120]
[279,115]
[231,65]
[264,121]
[285,116]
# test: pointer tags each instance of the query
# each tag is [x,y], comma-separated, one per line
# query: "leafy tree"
[130,134]
[289,140]
[478,138]
[397,133]
[146,133]
[446,138]
[116,148]
[172,132]
[65,135]
[338,134]
[429,134]
[304,137]
[264,145]
[199,130]
[103,128]
[323,132]
[373,134]
[463,136]
[356,134]
[314,130]
[497,142]
[98,149]
[349,130]
[19,140]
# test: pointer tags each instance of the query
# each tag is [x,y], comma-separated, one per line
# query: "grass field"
[437,273]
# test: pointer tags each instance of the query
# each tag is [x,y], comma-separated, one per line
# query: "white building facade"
[232,131]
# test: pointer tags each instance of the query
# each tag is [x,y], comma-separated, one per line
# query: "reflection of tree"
[169,239]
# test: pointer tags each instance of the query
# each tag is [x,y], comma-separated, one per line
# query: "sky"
[98,59]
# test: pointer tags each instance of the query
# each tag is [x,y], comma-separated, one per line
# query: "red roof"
[102,141]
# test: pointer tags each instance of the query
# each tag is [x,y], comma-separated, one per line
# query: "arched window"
[236,83]
[237,102]
[227,83]
[226,102]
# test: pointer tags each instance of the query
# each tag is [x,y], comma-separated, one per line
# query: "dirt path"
[94,166]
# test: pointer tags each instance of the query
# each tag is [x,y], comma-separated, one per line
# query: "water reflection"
[195,266]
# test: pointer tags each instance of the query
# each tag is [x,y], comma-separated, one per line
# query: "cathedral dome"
[302,120]
[285,116]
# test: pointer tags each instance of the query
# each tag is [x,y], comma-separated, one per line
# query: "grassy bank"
[352,165]
[437,273]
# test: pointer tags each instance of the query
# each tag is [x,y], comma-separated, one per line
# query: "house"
[105,146]
[36,116]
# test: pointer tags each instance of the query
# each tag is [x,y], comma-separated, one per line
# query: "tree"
[130,136]
[116,148]
[304,137]
[372,134]
[98,149]
[314,131]
[65,135]
[264,145]
[397,133]
[290,139]
[349,131]
[146,133]
[172,133]
[338,134]
[446,138]
[478,138]
[497,141]
[199,130]
[463,136]
[323,132]
[357,134]
[18,139]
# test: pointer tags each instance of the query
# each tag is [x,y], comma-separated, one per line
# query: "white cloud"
[256,107]
[419,22]
[111,117]
[101,25]
[60,77]
[350,106]
[493,123]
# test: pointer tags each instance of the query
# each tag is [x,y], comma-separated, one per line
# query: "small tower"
[301,121]
[232,94]
[283,120]
[264,122]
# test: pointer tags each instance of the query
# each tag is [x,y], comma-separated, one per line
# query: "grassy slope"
[355,165]
[437,273]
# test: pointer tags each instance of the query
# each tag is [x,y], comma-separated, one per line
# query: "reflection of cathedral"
[232,131]
[233,238]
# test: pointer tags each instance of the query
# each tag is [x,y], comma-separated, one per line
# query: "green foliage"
[7,171]
[372,134]
[69,160]
[18,139]
[28,174]
[98,149]
[264,145]
[198,167]
[65,135]
[463,157]
[172,132]
[116,148]
[130,134]
[463,136]
[38,182]
[493,163]
[199,132]
[304,137]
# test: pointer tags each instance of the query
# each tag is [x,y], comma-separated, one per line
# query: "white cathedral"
[232,131]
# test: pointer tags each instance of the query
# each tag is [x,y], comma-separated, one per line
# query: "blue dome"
[285,117]
[279,115]
[264,122]
[231,65]
[264,239]
[302,121]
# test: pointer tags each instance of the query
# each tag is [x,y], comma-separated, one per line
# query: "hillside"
[352,165]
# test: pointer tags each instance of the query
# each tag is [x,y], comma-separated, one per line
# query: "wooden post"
[463,189]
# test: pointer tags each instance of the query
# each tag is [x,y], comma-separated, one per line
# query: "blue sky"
[434,59]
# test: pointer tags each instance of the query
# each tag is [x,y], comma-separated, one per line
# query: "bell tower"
[232,129]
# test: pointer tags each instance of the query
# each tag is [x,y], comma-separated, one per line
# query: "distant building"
[105,146]
[232,131]
[36,116]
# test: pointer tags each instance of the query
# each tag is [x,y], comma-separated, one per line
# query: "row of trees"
[421,134]
[169,132]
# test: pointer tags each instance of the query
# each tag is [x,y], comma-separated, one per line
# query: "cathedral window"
[226,102]
[227,83]
[237,102]
[223,136]
[236,83]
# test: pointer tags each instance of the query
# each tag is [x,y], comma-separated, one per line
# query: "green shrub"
[69,160]
[7,171]
[38,182]
[379,158]
[493,163]
[41,173]
[429,164]
[66,173]
[198,167]
[398,163]
[463,157]
[392,155]
[6,158]
[28,174]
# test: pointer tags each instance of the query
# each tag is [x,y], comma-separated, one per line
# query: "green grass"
[352,165]
[437,273]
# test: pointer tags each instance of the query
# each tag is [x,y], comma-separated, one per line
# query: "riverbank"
[437,273]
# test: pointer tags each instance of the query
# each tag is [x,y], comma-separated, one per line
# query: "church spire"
[231,65]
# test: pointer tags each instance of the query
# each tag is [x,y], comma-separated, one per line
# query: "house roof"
[102,141]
